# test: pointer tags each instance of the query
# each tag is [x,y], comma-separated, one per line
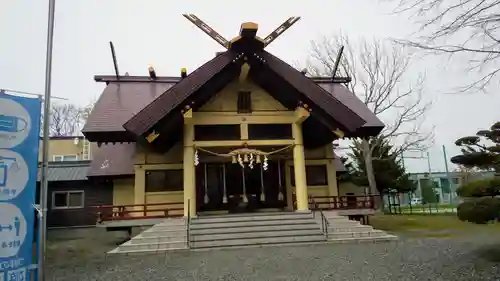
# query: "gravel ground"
[462,258]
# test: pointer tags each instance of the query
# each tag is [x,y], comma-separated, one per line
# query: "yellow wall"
[349,187]
[226,100]
[65,147]
[123,191]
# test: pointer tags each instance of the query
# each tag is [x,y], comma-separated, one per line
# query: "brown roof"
[373,125]
[329,103]
[153,113]
[156,111]
[113,160]
[119,102]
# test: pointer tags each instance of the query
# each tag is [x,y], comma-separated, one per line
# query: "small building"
[71,193]
[242,133]
[442,186]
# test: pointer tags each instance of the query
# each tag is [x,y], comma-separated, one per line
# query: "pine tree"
[483,204]
[389,171]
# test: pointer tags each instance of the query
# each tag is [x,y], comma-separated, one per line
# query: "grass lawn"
[445,225]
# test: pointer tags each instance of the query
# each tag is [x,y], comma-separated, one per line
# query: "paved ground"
[471,257]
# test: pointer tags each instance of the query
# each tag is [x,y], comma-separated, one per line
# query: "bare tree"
[469,28]
[65,119]
[380,78]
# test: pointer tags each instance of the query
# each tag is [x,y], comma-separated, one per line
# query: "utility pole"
[42,228]
[448,175]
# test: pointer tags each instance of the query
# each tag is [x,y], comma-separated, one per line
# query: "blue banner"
[19,139]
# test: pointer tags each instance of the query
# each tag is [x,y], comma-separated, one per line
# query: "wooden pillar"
[299,167]
[139,189]
[188,167]
[331,171]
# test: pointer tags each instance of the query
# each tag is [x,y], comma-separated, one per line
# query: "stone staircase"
[166,236]
[343,230]
[256,229]
[250,230]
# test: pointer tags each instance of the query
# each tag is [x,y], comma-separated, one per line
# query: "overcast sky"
[154,32]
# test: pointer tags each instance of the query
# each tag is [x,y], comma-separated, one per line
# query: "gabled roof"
[175,96]
[119,102]
[326,107]
[111,160]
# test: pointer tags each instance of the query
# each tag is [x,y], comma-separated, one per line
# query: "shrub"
[480,188]
[479,210]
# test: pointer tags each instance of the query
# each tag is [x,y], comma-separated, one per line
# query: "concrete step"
[231,224]
[167,228]
[255,214]
[157,239]
[353,228]
[169,233]
[255,228]
[263,217]
[149,247]
[173,222]
[257,241]
[342,223]
[343,235]
[385,238]
[249,235]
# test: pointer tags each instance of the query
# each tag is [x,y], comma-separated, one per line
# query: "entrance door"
[209,187]
[274,183]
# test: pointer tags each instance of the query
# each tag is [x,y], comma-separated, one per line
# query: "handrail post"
[188,223]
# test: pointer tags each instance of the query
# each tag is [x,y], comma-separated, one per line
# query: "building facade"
[71,194]
[243,132]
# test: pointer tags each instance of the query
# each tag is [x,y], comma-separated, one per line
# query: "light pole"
[448,175]
[42,228]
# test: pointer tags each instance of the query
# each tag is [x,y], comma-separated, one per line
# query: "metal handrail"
[188,238]
[324,221]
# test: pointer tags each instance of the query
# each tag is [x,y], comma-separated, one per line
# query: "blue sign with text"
[19,139]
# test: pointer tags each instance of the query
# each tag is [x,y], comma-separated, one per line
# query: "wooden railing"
[139,211]
[340,202]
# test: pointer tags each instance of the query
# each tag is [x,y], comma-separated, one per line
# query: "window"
[62,158]
[68,199]
[164,180]
[269,131]
[455,180]
[217,132]
[244,102]
[315,175]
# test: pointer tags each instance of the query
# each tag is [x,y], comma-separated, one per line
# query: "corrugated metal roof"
[66,171]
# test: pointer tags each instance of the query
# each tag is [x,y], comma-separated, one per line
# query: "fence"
[393,205]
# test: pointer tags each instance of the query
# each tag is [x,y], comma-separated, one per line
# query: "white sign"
[12,230]
[16,274]
[15,123]
[14,174]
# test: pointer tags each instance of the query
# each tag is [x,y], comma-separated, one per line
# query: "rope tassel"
[245,199]
[224,198]
[206,199]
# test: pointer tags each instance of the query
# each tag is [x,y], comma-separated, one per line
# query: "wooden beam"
[188,116]
[207,29]
[278,31]
[245,69]
[339,133]
[249,29]
[152,136]
[301,114]
[242,143]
